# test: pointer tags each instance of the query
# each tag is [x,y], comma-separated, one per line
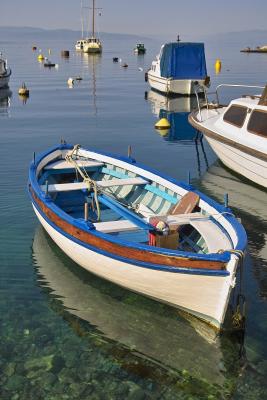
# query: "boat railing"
[216,93]
[232,85]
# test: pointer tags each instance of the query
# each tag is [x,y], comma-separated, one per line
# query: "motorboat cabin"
[237,133]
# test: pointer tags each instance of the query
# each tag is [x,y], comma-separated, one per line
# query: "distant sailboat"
[93,44]
[80,43]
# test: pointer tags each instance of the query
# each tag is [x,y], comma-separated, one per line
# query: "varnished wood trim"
[248,150]
[124,251]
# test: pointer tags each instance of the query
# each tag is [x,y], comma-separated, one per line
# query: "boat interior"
[129,206]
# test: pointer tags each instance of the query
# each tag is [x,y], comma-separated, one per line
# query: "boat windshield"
[258,123]
[235,115]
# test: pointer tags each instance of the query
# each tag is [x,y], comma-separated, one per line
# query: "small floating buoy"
[140,69]
[218,66]
[70,82]
[65,53]
[34,48]
[125,65]
[78,78]
[163,123]
[49,64]
[23,90]
[115,59]
[40,57]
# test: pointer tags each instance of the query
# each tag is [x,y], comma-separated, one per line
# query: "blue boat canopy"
[183,61]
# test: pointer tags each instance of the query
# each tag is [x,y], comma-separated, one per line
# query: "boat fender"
[146,76]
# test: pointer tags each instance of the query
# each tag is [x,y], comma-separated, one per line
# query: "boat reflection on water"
[91,63]
[249,202]
[5,98]
[153,332]
[176,110]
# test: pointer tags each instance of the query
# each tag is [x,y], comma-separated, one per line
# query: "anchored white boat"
[5,73]
[237,133]
[92,44]
[178,67]
[139,229]
[80,43]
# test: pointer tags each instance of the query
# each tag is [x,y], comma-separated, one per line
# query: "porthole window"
[258,123]
[235,115]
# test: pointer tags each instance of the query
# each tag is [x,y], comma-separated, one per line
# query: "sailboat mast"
[93,18]
[82,17]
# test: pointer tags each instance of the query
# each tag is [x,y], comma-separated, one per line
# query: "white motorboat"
[178,68]
[5,73]
[139,229]
[237,133]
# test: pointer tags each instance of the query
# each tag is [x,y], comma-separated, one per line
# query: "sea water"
[66,334]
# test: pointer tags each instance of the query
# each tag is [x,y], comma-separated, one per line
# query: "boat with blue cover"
[139,229]
[178,68]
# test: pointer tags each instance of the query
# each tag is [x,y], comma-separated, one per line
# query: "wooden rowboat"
[139,229]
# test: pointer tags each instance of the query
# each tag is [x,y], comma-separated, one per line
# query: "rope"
[238,317]
[92,185]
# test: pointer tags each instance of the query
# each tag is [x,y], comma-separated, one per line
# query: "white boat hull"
[172,86]
[244,164]
[203,296]
[92,48]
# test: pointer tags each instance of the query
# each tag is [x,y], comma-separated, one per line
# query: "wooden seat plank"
[63,164]
[65,187]
[115,226]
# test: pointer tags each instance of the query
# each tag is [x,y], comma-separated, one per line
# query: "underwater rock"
[57,364]
[136,392]
[15,382]
[10,369]
[44,363]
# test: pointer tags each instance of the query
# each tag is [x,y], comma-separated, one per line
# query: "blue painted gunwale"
[88,227]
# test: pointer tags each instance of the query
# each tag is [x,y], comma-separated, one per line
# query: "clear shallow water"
[67,334]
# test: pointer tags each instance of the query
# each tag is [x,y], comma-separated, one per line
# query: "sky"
[145,17]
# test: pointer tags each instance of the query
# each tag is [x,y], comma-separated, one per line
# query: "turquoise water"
[66,334]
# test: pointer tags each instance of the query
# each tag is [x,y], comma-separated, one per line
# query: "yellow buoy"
[23,90]
[163,123]
[40,57]
[218,66]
